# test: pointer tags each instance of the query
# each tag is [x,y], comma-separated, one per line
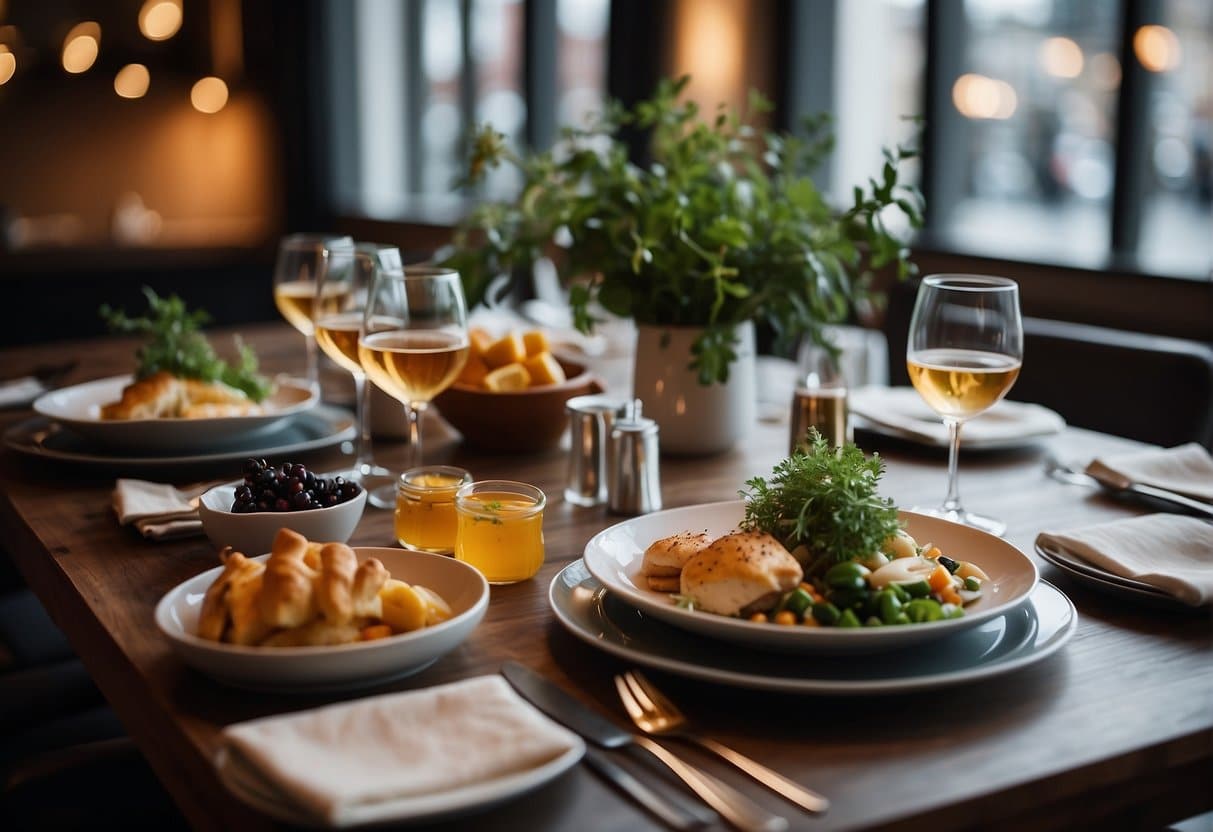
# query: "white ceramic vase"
[693,419]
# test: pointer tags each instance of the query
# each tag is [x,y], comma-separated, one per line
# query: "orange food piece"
[473,372]
[536,342]
[939,579]
[508,349]
[949,595]
[544,369]
[508,378]
[480,339]
[375,631]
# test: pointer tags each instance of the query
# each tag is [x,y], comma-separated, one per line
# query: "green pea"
[848,597]
[848,619]
[798,601]
[900,592]
[847,575]
[826,613]
[972,584]
[921,610]
[890,606]
[872,621]
[917,589]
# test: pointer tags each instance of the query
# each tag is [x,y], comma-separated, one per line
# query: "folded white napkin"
[158,511]
[1169,551]
[902,410]
[362,761]
[1187,469]
[20,391]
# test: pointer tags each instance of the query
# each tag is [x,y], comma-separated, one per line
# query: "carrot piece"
[940,578]
[949,595]
[375,631]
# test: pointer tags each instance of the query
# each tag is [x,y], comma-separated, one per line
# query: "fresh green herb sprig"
[825,499]
[176,345]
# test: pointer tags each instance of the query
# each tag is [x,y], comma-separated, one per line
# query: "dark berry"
[352,490]
[300,501]
[282,505]
[296,487]
[330,499]
[262,505]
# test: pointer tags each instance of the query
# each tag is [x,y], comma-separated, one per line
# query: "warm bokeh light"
[1156,48]
[132,81]
[81,46]
[8,64]
[160,19]
[209,95]
[1061,57]
[1105,69]
[710,47]
[977,96]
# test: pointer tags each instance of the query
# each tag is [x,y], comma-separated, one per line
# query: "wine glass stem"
[952,501]
[313,363]
[362,443]
[415,412]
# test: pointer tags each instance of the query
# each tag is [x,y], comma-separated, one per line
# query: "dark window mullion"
[468,89]
[539,73]
[945,133]
[805,66]
[417,90]
[1132,142]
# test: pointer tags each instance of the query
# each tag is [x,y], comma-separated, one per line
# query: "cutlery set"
[655,715]
[1098,475]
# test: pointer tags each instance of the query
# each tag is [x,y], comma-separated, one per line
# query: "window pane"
[582,44]
[881,60]
[441,119]
[1177,217]
[1036,98]
[497,43]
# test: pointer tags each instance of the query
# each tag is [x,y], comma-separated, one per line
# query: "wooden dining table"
[1116,728]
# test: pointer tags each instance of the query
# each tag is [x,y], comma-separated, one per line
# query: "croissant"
[338,564]
[287,598]
[368,580]
[240,579]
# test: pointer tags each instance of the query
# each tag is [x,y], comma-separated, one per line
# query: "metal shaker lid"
[633,420]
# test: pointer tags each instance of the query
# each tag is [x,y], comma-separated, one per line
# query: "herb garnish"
[177,345]
[824,499]
[491,507]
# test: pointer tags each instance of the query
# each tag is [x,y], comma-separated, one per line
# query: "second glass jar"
[425,508]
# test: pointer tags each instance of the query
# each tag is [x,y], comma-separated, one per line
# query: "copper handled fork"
[654,714]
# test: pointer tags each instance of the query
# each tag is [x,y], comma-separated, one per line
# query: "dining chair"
[1145,387]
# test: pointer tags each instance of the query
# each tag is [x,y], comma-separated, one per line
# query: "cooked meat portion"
[664,559]
[745,571]
[165,396]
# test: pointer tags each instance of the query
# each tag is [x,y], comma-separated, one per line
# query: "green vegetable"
[916,589]
[952,611]
[825,499]
[847,575]
[972,584]
[924,609]
[177,345]
[848,619]
[826,613]
[890,606]
[901,593]
[872,621]
[797,601]
[848,597]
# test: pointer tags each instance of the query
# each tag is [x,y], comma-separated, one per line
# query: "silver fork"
[654,714]
[732,805]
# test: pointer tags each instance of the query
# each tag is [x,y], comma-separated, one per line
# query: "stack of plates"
[70,429]
[1018,621]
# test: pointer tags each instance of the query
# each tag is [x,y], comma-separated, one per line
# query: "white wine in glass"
[964,353]
[302,259]
[414,338]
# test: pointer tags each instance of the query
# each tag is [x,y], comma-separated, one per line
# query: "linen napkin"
[158,511]
[1187,469]
[1169,551]
[902,410]
[367,760]
[19,392]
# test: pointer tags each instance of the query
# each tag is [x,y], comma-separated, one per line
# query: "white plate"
[341,667]
[321,427]
[615,556]
[79,408]
[1021,636]
[901,413]
[249,786]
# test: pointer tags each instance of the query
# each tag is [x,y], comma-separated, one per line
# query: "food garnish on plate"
[818,546]
[178,374]
[312,594]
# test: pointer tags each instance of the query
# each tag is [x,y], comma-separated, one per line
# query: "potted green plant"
[723,228]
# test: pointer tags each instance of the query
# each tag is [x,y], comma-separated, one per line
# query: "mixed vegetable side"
[860,567]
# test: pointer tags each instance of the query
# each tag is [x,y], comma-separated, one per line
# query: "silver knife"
[676,815]
[1114,481]
[556,703]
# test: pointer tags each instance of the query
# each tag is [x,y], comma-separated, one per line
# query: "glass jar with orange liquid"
[425,508]
[500,529]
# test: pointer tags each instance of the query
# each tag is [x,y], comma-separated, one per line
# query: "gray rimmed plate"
[1021,636]
[1103,581]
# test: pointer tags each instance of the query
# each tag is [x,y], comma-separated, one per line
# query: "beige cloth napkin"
[372,759]
[1187,469]
[158,511]
[901,409]
[1169,551]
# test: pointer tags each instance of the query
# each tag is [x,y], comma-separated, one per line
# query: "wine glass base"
[382,497]
[966,518]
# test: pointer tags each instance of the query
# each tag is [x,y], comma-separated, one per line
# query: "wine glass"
[338,309]
[964,352]
[301,260]
[414,338]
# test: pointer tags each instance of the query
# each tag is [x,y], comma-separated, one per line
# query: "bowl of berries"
[247,513]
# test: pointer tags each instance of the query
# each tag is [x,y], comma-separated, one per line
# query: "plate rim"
[332,415]
[819,687]
[815,640]
[1114,584]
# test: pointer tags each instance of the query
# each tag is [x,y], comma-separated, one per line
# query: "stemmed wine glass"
[964,352]
[339,307]
[414,337]
[301,260]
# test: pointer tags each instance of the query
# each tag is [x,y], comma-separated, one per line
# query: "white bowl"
[254,532]
[79,409]
[341,667]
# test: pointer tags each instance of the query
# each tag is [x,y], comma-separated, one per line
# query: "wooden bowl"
[525,420]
